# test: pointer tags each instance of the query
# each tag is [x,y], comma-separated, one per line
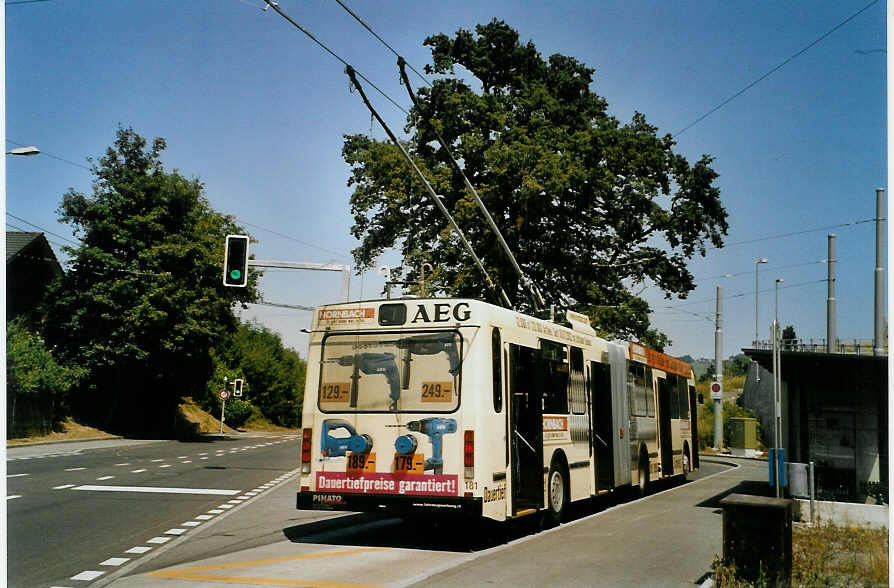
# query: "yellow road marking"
[191,573]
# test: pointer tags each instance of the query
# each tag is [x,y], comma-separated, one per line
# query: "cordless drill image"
[339,446]
[376,363]
[435,428]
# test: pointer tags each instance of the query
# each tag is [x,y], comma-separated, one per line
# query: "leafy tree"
[143,301]
[36,384]
[591,207]
[274,375]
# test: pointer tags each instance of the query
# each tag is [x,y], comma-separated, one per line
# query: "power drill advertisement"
[408,472]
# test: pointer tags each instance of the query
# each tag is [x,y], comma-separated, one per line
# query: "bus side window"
[496,352]
[577,382]
[554,361]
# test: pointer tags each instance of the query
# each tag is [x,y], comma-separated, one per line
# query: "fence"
[844,346]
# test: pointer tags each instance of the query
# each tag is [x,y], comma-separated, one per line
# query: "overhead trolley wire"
[381,40]
[775,69]
[275,7]
[20,219]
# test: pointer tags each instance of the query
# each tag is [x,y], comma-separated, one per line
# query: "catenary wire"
[275,7]
[42,152]
[20,219]
[381,40]
[775,69]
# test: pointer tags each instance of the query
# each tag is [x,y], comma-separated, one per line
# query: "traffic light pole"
[300,265]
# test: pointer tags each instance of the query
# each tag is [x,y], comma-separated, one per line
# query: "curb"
[35,443]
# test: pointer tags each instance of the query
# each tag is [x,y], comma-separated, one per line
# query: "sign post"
[224,394]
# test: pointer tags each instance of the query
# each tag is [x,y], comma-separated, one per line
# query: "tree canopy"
[143,301]
[591,207]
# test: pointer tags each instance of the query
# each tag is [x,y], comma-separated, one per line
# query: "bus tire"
[557,485]
[643,482]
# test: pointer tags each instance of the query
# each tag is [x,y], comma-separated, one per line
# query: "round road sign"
[224,394]
[715,387]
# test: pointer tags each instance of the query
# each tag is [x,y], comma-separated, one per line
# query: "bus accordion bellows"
[450,406]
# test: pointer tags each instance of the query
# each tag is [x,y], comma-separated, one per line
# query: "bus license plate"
[409,464]
[361,463]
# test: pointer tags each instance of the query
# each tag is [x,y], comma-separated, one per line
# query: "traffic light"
[236,261]
[237,385]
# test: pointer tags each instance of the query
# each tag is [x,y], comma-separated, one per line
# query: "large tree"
[592,208]
[143,301]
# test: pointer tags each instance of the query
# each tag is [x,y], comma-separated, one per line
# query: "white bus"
[434,406]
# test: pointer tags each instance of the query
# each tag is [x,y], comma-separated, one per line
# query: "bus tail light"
[305,451]
[469,453]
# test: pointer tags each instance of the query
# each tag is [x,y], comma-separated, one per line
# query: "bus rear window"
[390,372]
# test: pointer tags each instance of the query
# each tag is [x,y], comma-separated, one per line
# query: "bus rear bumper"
[438,506]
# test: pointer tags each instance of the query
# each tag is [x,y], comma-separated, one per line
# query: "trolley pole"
[718,373]
[878,344]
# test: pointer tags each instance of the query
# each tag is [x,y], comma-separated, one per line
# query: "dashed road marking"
[87,575]
[215,511]
[159,490]
[123,464]
[191,523]
[175,531]
[75,469]
[159,540]
[138,550]
[114,561]
[137,471]
[11,496]
[203,517]
[16,475]
[63,487]
[157,460]
[105,478]
[167,465]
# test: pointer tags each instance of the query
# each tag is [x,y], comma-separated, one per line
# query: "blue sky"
[257,111]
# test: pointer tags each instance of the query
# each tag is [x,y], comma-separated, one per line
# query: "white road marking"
[11,496]
[167,465]
[183,457]
[203,458]
[88,575]
[123,464]
[159,540]
[187,461]
[156,460]
[114,561]
[75,469]
[159,490]
[105,478]
[204,453]
[137,471]
[215,511]
[252,493]
[175,531]
[16,475]
[191,523]
[63,487]
[139,549]
[234,501]
[203,517]
[227,506]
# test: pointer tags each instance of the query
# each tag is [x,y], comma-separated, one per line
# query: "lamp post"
[26,151]
[778,456]
[756,263]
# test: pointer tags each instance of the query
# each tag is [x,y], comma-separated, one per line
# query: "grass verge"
[825,555]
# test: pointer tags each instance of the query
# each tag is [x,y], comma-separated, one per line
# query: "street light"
[26,151]
[778,454]
[756,262]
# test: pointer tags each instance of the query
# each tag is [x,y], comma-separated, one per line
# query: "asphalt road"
[76,512]
[667,539]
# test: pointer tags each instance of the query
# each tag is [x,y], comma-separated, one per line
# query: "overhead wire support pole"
[490,284]
[530,288]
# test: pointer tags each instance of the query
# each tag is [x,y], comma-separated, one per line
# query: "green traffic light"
[235,274]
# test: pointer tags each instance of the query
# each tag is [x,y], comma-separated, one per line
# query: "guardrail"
[844,346]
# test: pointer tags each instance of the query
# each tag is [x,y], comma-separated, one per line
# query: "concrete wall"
[843,513]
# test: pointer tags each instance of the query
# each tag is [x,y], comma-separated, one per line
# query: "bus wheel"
[643,477]
[557,485]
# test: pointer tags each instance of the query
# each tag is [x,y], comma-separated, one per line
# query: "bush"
[237,412]
[706,422]
[37,386]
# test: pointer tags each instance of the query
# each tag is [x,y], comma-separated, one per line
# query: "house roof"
[18,241]
[24,244]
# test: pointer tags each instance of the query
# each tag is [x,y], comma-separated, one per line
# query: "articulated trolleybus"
[452,406]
